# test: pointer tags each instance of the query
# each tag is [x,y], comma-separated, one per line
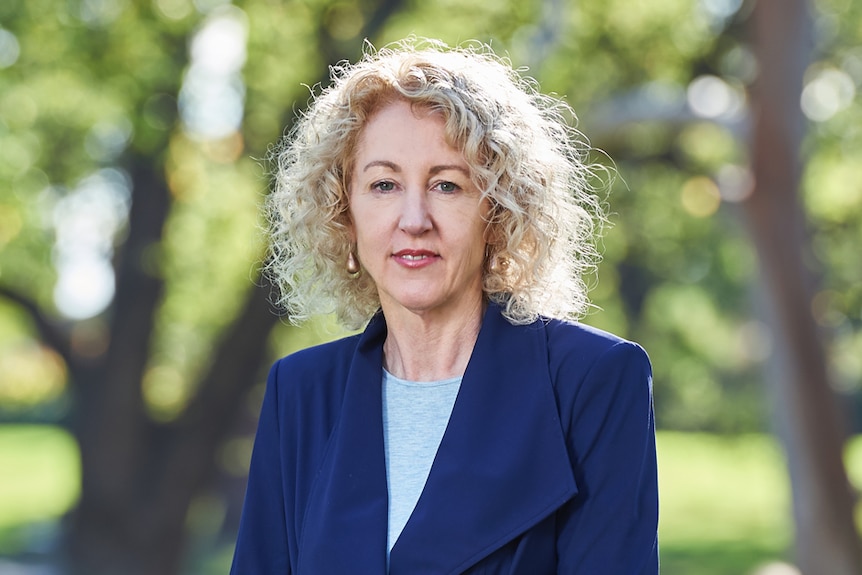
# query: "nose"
[415,218]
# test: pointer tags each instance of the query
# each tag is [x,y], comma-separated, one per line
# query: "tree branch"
[808,420]
[335,51]
[380,16]
[52,332]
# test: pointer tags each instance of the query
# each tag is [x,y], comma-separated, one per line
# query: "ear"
[346,217]
[492,213]
[492,234]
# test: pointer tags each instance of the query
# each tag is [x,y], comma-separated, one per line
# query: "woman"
[471,427]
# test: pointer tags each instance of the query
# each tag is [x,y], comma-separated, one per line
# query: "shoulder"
[587,344]
[316,370]
[305,393]
[570,335]
[320,356]
[581,356]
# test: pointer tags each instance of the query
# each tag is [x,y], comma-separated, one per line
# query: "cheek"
[482,230]
[351,228]
[351,216]
[364,232]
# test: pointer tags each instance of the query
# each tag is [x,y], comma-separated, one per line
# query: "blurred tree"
[142,467]
[809,421]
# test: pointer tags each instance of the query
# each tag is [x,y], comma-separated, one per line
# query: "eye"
[383,186]
[447,187]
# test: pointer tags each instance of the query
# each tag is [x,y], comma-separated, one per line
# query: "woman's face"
[417,218]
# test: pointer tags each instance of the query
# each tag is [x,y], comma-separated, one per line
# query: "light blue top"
[415,416]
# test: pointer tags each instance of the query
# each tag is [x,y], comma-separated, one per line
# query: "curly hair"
[523,154]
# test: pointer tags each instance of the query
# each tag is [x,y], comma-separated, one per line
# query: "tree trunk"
[110,419]
[139,478]
[139,529]
[808,420]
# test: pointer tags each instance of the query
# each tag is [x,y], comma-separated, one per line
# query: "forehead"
[401,111]
[399,123]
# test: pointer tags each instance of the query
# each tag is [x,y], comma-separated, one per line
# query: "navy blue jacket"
[547,466]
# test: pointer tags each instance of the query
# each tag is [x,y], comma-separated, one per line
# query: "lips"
[415,258]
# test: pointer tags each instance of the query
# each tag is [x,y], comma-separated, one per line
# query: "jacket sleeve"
[610,526]
[261,547]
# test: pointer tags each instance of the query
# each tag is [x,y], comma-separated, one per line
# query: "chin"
[418,306]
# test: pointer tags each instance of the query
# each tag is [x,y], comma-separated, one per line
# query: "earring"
[352,264]
[498,263]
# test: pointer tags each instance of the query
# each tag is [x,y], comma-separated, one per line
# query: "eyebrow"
[445,167]
[384,163]
[433,171]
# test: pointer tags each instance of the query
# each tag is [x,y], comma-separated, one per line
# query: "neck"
[421,348]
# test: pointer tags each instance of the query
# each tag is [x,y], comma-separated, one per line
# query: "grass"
[724,500]
[39,477]
[724,503]
[39,471]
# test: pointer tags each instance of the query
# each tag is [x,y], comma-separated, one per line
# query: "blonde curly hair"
[524,156]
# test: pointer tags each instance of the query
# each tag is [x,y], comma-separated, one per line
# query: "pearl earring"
[352,264]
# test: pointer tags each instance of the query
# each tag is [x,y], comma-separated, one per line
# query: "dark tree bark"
[807,416]
[110,417]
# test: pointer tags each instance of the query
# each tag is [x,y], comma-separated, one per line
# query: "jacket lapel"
[502,465]
[346,519]
[501,468]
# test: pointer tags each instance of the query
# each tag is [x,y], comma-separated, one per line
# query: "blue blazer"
[547,466]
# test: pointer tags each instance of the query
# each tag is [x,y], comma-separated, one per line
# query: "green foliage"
[208,258]
[94,81]
[832,190]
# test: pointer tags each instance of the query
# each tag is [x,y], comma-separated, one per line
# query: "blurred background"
[135,333]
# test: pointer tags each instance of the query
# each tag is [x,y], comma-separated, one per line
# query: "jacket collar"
[502,465]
